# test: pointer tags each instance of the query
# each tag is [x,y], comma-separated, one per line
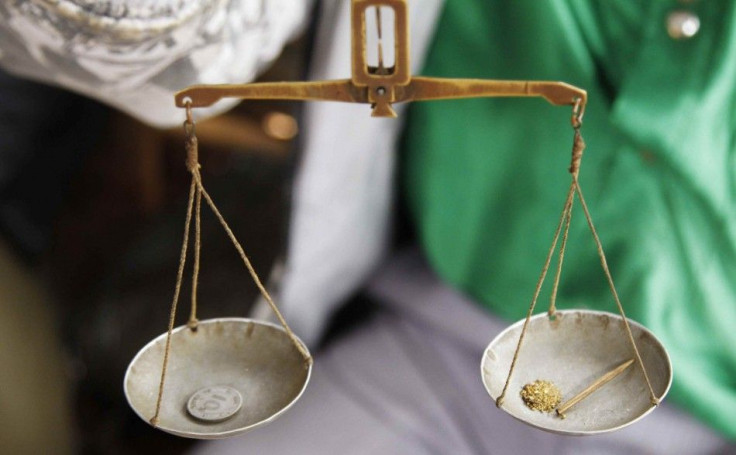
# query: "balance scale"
[573,372]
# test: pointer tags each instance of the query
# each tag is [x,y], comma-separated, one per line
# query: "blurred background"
[92,206]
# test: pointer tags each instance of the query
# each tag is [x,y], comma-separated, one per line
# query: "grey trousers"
[408,382]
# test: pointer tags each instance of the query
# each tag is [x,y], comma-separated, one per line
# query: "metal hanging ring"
[578,110]
[189,122]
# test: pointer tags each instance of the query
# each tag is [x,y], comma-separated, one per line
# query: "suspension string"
[561,256]
[652,396]
[578,146]
[565,217]
[191,145]
[577,154]
[537,290]
[250,268]
[194,167]
[196,192]
[193,321]
[177,289]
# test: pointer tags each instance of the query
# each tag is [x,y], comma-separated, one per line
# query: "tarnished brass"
[418,89]
[382,87]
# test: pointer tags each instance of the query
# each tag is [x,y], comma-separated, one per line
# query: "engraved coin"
[215,403]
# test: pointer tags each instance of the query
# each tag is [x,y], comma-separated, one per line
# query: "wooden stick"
[600,382]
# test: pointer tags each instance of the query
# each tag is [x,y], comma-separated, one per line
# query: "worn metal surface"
[419,89]
[255,358]
[573,351]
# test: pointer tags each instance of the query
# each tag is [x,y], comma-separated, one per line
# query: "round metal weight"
[572,351]
[214,404]
[256,359]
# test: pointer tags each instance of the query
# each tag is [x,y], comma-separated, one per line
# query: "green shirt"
[486,179]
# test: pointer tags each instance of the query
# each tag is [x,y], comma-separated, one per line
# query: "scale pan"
[572,351]
[253,359]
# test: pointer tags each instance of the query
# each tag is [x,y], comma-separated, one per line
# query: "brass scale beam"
[379,86]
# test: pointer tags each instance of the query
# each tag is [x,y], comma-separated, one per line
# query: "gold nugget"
[541,396]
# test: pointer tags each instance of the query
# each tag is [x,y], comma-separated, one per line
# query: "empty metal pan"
[572,351]
[227,377]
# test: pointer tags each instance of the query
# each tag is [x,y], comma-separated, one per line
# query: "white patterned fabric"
[134,54]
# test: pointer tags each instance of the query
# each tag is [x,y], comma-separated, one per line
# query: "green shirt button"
[682,25]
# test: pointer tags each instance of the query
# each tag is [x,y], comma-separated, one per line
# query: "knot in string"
[578,110]
[193,324]
[191,143]
[578,146]
[192,148]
